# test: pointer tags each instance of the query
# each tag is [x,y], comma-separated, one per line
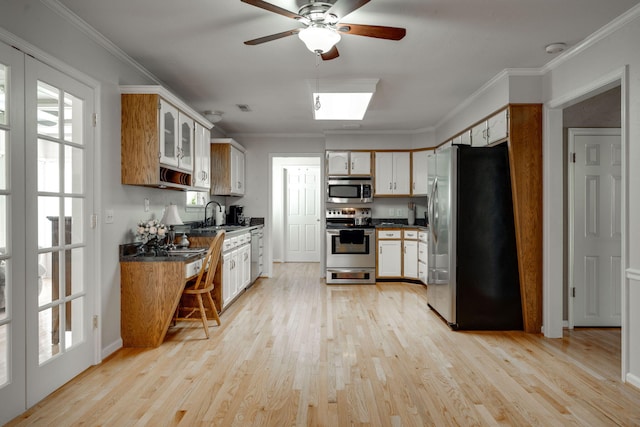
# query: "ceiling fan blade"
[272,37]
[344,7]
[380,32]
[273,8]
[332,54]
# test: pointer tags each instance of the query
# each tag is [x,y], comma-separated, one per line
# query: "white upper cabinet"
[393,176]
[497,127]
[494,129]
[185,142]
[464,138]
[479,135]
[419,168]
[338,163]
[360,163]
[168,134]
[202,164]
[345,163]
[237,171]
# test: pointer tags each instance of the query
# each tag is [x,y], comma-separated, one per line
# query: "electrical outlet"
[108,216]
[400,212]
[146,205]
[392,212]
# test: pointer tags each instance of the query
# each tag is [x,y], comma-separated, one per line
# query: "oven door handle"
[367,232]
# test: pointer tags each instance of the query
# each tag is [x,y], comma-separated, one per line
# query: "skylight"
[341,99]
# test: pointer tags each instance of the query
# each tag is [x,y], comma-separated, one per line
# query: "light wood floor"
[293,351]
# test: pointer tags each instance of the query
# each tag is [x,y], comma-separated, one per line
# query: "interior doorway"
[284,167]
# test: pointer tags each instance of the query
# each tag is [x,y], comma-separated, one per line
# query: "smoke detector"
[555,47]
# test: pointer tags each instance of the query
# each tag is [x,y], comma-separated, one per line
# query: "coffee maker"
[236,215]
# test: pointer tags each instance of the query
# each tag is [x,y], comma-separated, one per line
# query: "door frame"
[275,226]
[571,214]
[553,197]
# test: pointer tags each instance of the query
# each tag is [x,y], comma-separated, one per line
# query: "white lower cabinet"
[389,258]
[236,266]
[399,254]
[410,259]
[228,279]
[422,256]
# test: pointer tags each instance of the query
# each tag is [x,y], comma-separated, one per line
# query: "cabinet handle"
[405,249]
[346,166]
[395,185]
[391,186]
[353,165]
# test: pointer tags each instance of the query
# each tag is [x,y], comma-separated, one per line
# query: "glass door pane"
[60,177]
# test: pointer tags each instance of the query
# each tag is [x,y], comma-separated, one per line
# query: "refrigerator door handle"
[433,216]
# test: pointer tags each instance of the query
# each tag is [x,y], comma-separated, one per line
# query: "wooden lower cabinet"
[149,294]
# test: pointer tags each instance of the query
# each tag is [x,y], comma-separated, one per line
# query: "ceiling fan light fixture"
[319,39]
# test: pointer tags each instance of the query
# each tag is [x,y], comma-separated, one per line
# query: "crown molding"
[607,30]
[107,44]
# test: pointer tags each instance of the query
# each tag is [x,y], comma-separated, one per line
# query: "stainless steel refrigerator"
[473,278]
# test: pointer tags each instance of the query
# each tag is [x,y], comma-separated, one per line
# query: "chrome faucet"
[206,219]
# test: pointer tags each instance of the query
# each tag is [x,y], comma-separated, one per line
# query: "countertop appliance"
[473,280]
[351,241]
[236,215]
[350,190]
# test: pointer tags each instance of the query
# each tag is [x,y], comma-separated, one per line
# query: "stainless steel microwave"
[349,190]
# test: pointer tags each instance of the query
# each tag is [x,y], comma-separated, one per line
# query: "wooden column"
[525,157]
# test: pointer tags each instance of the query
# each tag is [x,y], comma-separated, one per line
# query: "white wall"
[567,80]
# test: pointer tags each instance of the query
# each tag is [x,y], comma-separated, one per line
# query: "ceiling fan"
[323,26]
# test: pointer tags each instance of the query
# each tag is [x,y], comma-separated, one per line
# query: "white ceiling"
[452,48]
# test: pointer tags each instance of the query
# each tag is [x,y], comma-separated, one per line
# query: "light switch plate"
[108,216]
[146,205]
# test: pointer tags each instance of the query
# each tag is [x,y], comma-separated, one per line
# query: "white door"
[12,228]
[302,228]
[46,197]
[595,191]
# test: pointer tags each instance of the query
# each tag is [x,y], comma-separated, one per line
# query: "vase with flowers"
[152,233]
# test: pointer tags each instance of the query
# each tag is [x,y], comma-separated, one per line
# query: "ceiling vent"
[243,107]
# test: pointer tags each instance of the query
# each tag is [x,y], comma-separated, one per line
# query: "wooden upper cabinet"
[227,168]
[157,138]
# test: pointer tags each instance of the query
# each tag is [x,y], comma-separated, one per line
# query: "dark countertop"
[393,225]
[129,251]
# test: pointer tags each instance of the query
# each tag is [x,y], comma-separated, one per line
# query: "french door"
[46,328]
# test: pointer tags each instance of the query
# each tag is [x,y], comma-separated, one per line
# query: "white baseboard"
[634,380]
[111,348]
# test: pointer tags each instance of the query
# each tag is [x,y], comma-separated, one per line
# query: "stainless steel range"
[351,241]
